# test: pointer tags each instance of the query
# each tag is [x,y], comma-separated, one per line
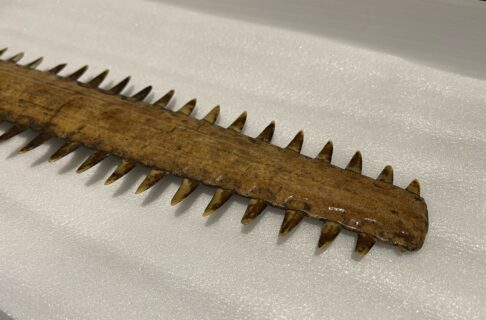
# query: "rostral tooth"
[63,151]
[164,100]
[12,132]
[219,198]
[329,232]
[326,153]
[58,68]
[16,58]
[142,94]
[239,123]
[118,88]
[188,107]
[356,163]
[34,64]
[150,180]
[95,158]
[291,219]
[122,169]
[37,141]
[77,74]
[296,143]
[386,175]
[96,81]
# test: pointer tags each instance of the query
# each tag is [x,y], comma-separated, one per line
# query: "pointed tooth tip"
[141,188]
[208,212]
[110,180]
[220,197]
[323,245]
[164,101]
[35,63]
[284,231]
[356,163]
[17,57]
[246,221]
[186,188]
[175,201]
[80,170]
[238,124]
[362,251]
[58,68]
[386,175]
[326,152]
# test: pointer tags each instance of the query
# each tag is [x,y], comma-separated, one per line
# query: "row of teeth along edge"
[329,231]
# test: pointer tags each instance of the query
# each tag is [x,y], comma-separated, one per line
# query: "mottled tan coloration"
[219,198]
[123,168]
[329,232]
[150,180]
[291,219]
[205,153]
[254,209]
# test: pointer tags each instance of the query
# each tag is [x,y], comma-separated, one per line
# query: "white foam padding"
[72,248]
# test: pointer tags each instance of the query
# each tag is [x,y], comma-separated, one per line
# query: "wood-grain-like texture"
[200,151]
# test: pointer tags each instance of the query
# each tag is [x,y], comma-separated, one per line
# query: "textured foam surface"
[71,247]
